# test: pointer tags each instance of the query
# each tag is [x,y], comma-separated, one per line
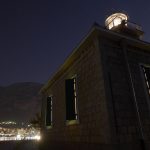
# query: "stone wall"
[122,103]
[93,126]
[108,117]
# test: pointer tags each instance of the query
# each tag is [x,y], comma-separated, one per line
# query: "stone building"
[100,97]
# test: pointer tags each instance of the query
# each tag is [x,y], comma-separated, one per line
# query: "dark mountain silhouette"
[20,101]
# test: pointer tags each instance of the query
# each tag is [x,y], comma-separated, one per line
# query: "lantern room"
[115,19]
[119,22]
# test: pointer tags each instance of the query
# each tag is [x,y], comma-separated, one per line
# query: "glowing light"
[8,123]
[37,137]
[18,137]
[28,133]
[115,20]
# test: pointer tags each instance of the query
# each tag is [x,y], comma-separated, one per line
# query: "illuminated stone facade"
[112,96]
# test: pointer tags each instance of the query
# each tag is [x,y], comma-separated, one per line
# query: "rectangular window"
[49,111]
[71,99]
[146,71]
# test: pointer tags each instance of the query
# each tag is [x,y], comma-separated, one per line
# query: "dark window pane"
[147,72]
[70,100]
[48,111]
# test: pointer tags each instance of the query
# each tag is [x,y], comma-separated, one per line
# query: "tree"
[36,121]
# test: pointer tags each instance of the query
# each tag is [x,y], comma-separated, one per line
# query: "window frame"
[76,109]
[147,84]
[146,90]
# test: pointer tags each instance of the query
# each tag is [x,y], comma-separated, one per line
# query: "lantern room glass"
[115,20]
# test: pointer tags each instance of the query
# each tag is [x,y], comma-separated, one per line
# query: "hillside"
[20,101]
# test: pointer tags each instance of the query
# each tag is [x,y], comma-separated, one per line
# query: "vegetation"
[36,122]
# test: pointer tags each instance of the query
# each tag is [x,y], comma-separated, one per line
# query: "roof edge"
[96,29]
[83,40]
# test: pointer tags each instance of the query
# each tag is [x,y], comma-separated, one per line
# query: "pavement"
[19,145]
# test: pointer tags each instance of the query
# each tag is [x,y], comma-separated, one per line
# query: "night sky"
[37,36]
